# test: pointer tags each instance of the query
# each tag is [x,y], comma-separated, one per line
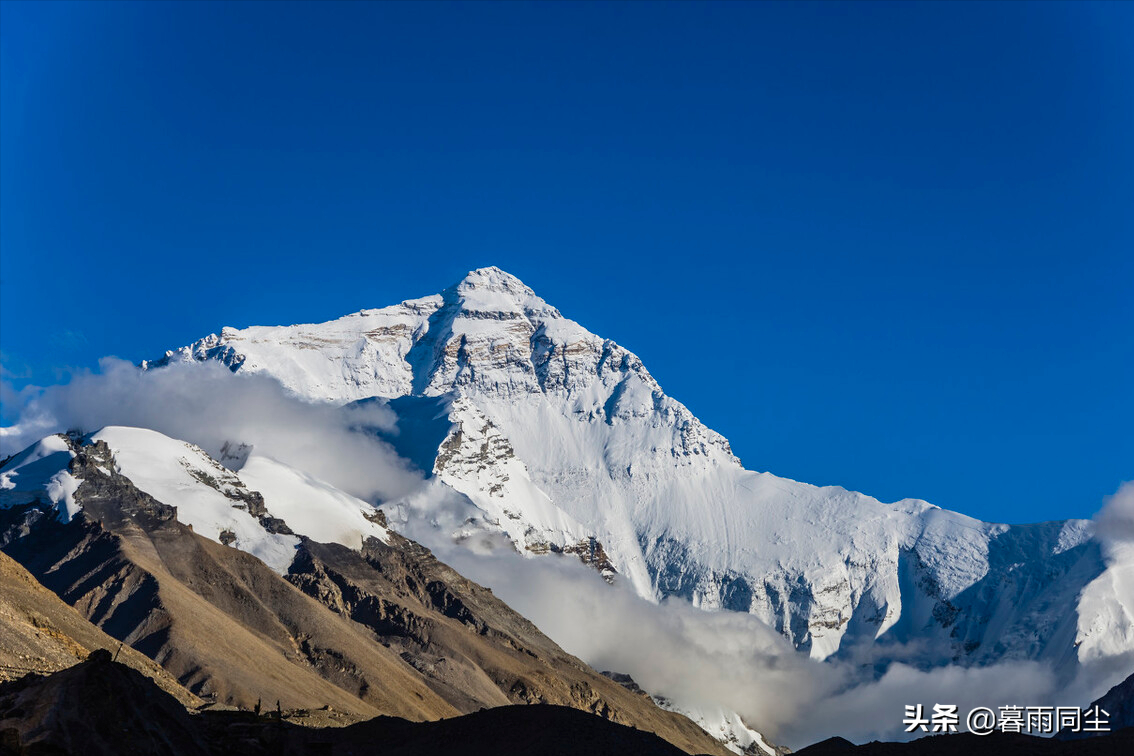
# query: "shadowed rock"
[95,707]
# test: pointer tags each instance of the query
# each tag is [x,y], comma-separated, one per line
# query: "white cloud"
[206,404]
[702,659]
[1115,521]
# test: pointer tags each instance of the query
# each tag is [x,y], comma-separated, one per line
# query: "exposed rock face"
[558,436]
[626,681]
[224,481]
[104,490]
[470,647]
[589,551]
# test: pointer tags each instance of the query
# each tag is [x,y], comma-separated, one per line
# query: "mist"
[208,405]
[1114,524]
[702,659]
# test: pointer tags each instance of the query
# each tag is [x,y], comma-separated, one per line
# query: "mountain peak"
[494,290]
[492,279]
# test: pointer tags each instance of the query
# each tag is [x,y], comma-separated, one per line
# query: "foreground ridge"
[100,707]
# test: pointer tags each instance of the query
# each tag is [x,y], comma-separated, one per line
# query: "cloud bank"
[702,659]
[208,405]
[1115,521]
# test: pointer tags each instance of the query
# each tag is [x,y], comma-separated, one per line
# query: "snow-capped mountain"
[145,536]
[252,511]
[557,439]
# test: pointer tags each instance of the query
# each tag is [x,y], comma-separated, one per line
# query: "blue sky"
[886,246]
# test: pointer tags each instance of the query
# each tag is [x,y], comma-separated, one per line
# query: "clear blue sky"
[888,246]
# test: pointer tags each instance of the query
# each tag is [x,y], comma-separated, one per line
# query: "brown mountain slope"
[466,642]
[216,618]
[408,635]
[40,633]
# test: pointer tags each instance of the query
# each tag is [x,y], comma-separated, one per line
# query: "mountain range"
[529,435]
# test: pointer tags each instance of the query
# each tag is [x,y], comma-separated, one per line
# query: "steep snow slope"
[310,506]
[221,509]
[563,440]
[253,510]
[39,469]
